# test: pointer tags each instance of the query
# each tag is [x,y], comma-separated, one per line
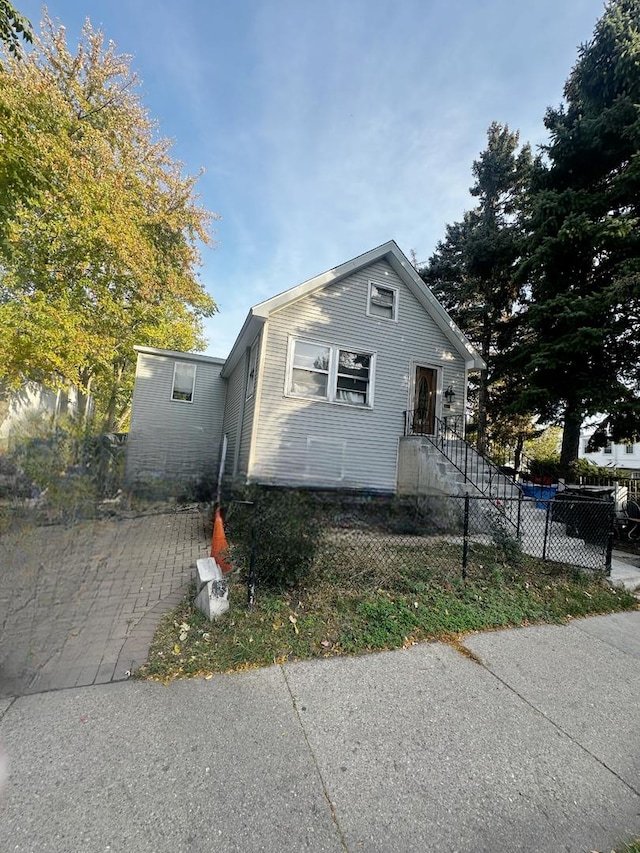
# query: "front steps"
[425,470]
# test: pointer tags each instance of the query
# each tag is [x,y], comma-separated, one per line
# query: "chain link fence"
[281,539]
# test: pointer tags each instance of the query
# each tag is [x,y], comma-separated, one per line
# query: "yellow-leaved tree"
[100,229]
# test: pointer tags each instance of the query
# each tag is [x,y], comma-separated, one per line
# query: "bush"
[281,526]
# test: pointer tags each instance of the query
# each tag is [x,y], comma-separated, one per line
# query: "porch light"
[449,395]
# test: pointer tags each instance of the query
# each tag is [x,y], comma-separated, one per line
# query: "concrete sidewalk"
[534,745]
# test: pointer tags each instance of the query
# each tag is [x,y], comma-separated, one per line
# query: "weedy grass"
[359,604]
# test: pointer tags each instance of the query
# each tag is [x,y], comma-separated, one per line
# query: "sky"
[324,129]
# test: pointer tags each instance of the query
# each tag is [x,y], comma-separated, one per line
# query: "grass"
[365,599]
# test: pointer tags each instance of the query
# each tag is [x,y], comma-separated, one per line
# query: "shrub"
[280,527]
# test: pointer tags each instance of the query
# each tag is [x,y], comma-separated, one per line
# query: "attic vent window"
[184,380]
[383,301]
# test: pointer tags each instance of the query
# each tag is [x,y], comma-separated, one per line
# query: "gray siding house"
[320,388]
[176,416]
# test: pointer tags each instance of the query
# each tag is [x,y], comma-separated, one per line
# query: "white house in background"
[18,409]
[624,457]
[321,386]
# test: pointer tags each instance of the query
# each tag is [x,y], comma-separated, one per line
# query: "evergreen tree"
[472,269]
[580,346]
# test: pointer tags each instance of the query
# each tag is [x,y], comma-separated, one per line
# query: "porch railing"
[480,473]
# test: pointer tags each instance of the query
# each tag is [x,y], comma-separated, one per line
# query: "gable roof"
[389,252]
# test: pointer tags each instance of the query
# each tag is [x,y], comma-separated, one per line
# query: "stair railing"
[482,475]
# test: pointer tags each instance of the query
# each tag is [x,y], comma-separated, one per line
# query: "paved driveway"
[79,604]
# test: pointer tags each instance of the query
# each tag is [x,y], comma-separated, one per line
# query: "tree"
[99,228]
[472,269]
[580,347]
[13,25]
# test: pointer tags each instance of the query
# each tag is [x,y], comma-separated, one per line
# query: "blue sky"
[326,129]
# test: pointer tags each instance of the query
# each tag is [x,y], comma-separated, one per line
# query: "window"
[253,369]
[325,372]
[628,448]
[383,301]
[608,448]
[184,380]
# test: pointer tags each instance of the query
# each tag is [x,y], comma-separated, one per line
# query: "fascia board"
[250,329]
[185,356]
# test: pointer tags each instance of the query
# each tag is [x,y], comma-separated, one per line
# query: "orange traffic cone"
[219,545]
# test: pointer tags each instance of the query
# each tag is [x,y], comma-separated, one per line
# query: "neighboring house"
[320,388]
[33,402]
[623,457]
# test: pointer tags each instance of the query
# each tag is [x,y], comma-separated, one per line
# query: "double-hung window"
[382,301]
[184,380]
[328,372]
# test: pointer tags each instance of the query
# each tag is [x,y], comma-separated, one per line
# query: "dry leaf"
[294,622]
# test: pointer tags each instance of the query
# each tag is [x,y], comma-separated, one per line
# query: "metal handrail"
[481,473]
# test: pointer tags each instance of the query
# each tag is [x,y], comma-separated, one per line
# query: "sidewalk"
[532,746]
[79,605]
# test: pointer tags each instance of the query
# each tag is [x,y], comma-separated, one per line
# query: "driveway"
[79,604]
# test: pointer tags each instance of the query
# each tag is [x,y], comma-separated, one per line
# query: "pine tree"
[472,269]
[580,347]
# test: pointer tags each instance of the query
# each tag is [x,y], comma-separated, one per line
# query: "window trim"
[193,381]
[629,448]
[396,299]
[332,373]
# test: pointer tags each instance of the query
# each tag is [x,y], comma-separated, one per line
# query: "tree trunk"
[112,410]
[570,442]
[483,385]
[84,398]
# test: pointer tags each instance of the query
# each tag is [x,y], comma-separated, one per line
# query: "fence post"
[546,530]
[609,551]
[519,512]
[251,579]
[465,538]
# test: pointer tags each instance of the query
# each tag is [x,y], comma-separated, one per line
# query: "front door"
[424,402]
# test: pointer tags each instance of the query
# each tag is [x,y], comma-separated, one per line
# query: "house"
[622,457]
[23,409]
[323,387]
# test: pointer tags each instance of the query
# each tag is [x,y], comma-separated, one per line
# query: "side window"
[253,369]
[184,380]
[382,302]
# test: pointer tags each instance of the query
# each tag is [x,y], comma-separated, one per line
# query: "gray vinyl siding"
[170,439]
[248,416]
[236,389]
[316,443]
